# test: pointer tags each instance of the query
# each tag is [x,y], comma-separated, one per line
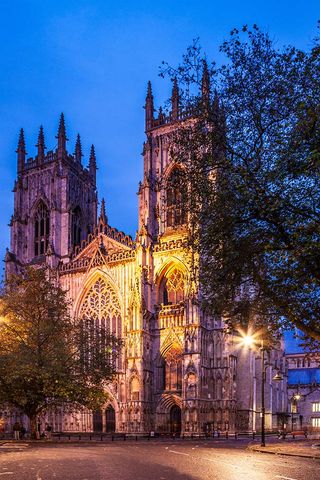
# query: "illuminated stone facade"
[180,370]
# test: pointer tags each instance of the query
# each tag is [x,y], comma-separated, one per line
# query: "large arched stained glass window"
[41,229]
[101,304]
[100,312]
[175,199]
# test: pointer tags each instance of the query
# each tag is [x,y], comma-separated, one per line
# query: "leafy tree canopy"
[251,148]
[48,359]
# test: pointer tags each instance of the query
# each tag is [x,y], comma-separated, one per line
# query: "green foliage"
[252,156]
[42,365]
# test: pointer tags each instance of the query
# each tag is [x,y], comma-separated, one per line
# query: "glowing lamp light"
[248,340]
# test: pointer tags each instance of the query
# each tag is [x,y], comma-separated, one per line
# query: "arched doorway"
[175,419]
[97,421]
[110,419]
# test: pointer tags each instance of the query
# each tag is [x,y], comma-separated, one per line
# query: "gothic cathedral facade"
[180,370]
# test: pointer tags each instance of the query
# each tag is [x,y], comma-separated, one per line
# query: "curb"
[285,454]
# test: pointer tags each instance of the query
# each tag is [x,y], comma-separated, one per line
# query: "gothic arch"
[43,199]
[166,402]
[171,263]
[99,301]
[169,371]
[170,168]
[175,198]
[41,227]
[89,281]
[172,285]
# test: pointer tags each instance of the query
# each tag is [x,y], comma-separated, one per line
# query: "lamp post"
[250,341]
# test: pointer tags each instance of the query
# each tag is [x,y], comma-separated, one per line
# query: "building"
[181,371]
[304,391]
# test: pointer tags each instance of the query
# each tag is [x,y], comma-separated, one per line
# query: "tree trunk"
[33,426]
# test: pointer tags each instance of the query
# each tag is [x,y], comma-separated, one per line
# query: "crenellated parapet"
[46,157]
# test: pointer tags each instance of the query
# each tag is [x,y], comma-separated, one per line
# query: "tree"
[252,155]
[49,360]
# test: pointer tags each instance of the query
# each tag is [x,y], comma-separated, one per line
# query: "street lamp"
[250,341]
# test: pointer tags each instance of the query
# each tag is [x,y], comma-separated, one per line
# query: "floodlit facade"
[180,370]
[304,391]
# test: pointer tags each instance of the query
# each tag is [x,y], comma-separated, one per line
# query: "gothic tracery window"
[101,304]
[101,309]
[173,369]
[76,231]
[175,199]
[41,229]
[172,288]
[134,389]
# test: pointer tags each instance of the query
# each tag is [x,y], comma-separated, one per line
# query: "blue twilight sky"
[92,59]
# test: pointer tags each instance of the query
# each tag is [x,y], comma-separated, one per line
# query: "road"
[151,461]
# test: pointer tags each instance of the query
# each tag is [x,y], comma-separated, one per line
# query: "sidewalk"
[306,449]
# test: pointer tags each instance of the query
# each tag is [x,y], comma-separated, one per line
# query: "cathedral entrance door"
[110,419]
[97,421]
[175,419]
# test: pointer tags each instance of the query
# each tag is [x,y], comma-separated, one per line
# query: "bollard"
[59,437]
[227,434]
[124,437]
[218,433]
[69,438]
[112,438]
[79,437]
[101,438]
[235,436]
[136,438]
[90,438]
[253,435]
[174,436]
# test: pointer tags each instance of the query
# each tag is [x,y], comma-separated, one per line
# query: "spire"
[78,150]
[205,84]
[161,115]
[103,217]
[175,100]
[149,108]
[62,137]
[21,151]
[41,146]
[93,164]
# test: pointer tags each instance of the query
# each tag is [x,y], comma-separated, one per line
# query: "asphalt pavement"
[150,461]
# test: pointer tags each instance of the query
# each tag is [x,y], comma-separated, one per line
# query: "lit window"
[173,287]
[316,406]
[315,422]
[134,389]
[294,408]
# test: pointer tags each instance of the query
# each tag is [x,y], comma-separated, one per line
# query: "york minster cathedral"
[180,371]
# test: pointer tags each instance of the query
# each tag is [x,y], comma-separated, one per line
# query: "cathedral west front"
[180,370]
